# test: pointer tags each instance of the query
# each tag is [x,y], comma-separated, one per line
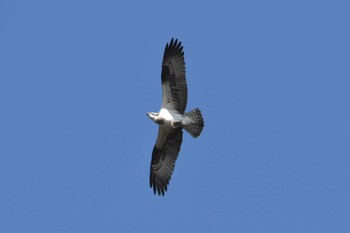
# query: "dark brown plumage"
[172,118]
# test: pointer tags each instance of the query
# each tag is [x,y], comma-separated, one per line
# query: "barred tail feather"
[195,127]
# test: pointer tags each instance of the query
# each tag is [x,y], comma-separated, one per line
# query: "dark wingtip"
[174,43]
[173,47]
[158,189]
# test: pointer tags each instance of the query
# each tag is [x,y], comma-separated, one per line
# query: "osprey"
[172,117]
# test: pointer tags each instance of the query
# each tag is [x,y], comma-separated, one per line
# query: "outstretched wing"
[164,155]
[174,86]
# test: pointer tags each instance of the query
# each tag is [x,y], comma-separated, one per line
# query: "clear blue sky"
[271,77]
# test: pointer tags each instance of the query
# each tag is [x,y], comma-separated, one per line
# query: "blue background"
[271,77]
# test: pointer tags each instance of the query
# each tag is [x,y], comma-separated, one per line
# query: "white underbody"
[169,117]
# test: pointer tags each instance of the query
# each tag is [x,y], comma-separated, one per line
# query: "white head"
[152,115]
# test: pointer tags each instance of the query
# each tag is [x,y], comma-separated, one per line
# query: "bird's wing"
[174,86]
[164,155]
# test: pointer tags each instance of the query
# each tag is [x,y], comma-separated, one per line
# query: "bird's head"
[152,115]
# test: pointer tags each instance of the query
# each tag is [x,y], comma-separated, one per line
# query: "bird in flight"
[172,117]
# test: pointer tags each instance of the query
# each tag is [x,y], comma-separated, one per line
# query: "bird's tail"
[196,123]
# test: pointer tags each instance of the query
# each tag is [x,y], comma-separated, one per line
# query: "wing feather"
[165,153]
[174,85]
